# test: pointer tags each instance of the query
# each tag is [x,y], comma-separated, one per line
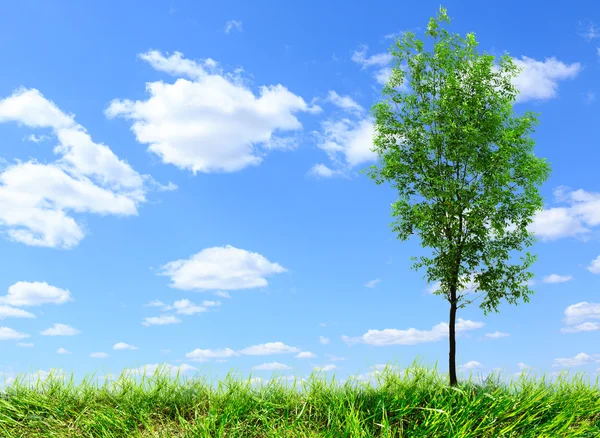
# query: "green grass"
[414,403]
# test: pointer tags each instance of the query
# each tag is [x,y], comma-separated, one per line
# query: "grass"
[415,403]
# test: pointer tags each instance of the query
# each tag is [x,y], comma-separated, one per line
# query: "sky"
[180,184]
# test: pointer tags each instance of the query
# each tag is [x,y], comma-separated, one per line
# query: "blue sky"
[180,184]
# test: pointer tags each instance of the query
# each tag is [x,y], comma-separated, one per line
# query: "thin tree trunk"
[452,355]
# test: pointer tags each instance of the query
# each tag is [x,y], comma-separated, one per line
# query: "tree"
[454,140]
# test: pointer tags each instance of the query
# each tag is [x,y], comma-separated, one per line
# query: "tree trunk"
[452,355]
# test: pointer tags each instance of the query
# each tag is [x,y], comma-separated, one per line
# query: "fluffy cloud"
[495,335]
[576,316]
[411,336]
[273,366]
[62,351]
[37,200]
[344,102]
[123,346]
[577,360]
[221,268]
[24,293]
[323,340]
[199,355]
[99,355]
[380,60]
[555,278]
[539,79]
[233,24]
[8,334]
[211,123]
[594,267]
[372,283]
[60,330]
[186,307]
[160,320]
[150,369]
[472,365]
[13,312]
[305,355]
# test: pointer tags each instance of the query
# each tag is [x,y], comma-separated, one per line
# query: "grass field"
[416,402]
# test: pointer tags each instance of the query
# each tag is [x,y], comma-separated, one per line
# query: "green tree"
[454,140]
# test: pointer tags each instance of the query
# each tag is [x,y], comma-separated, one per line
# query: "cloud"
[211,123]
[24,293]
[123,346]
[580,312]
[583,327]
[199,355]
[223,294]
[37,138]
[589,32]
[472,365]
[372,283]
[555,278]
[411,336]
[328,367]
[63,351]
[273,366]
[155,303]
[305,355]
[25,344]
[8,334]
[221,268]
[60,330]
[495,335]
[233,24]
[380,60]
[37,200]
[322,171]
[522,366]
[13,312]
[160,320]
[554,223]
[99,355]
[207,303]
[344,102]
[579,359]
[323,340]
[539,79]
[594,267]
[186,307]
[150,369]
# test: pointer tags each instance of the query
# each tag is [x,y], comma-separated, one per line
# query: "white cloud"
[383,75]
[199,355]
[320,170]
[539,79]
[522,366]
[347,144]
[496,335]
[328,367]
[155,303]
[123,346]
[233,24]
[577,313]
[472,365]
[24,293]
[268,348]
[160,320]
[411,336]
[60,330]
[344,102]
[223,294]
[150,369]
[589,32]
[273,366]
[63,351]
[555,278]
[13,312]
[594,267]
[207,303]
[7,334]
[186,307]
[372,283]
[323,340]
[37,138]
[380,60]
[579,359]
[221,268]
[25,344]
[583,327]
[213,123]
[99,355]
[36,199]
[305,355]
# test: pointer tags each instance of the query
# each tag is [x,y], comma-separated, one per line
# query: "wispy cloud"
[233,25]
